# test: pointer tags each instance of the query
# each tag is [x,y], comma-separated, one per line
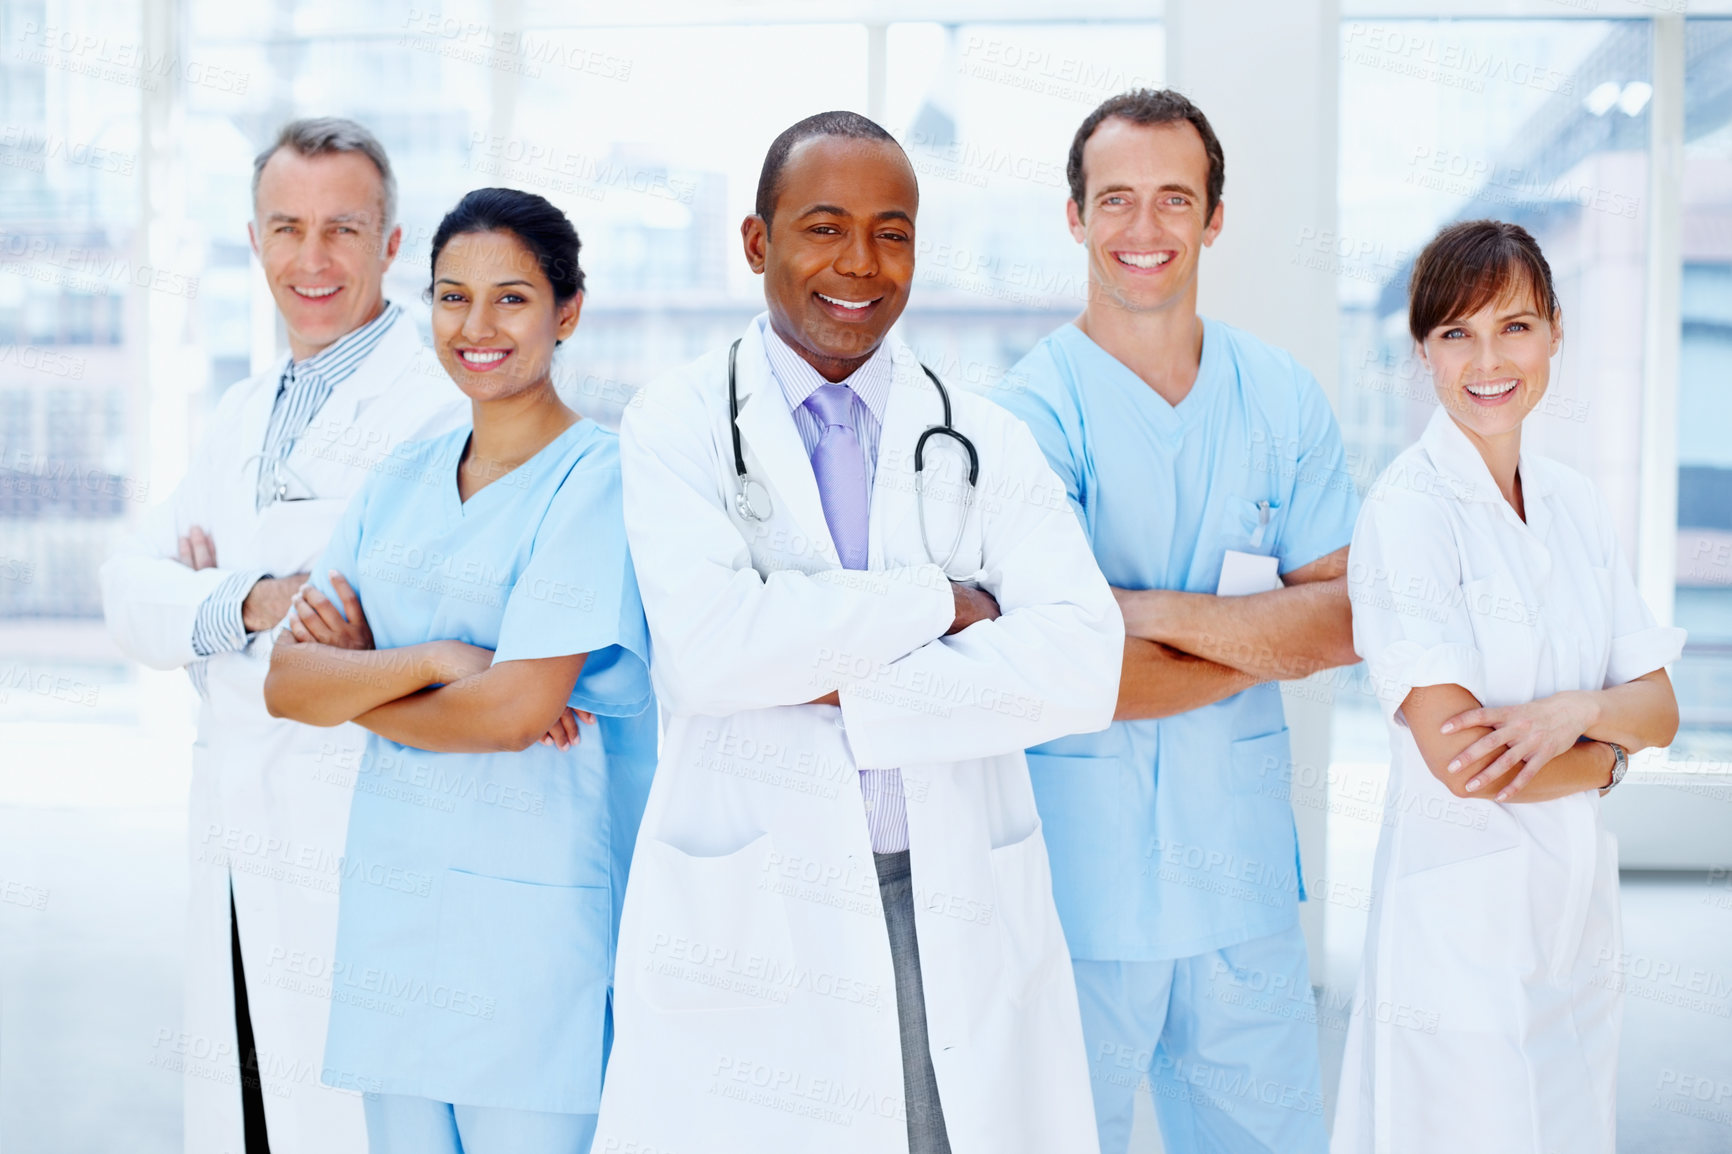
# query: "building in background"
[70,350]
[1564,154]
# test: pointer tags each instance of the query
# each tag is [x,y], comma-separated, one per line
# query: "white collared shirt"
[880,789]
[870,384]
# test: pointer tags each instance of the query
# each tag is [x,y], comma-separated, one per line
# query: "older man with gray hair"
[197,585]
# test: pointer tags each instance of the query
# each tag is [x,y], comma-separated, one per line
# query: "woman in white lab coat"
[1518,668]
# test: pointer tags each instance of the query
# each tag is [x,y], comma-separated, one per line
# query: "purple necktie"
[840,467]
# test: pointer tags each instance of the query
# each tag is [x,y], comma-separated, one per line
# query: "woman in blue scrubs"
[477,612]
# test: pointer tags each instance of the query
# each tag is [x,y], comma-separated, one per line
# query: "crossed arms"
[1186,650]
[441,696]
[1548,748]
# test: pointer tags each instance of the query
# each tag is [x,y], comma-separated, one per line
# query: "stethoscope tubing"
[749,508]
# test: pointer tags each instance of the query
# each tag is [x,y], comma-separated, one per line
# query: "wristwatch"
[1620,766]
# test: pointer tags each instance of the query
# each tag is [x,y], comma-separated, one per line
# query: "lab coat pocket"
[718,936]
[1463,937]
[520,989]
[1028,928]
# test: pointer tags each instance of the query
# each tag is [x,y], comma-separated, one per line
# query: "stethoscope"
[274,486]
[752,500]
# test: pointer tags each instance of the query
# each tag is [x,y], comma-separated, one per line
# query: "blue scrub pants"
[403,1124]
[1226,1043]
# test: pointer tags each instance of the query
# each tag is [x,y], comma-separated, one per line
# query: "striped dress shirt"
[886,808]
[302,391]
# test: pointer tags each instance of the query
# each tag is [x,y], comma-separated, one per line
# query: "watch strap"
[1620,766]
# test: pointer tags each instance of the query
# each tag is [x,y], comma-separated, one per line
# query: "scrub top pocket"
[1247,525]
[529,962]
[1237,524]
[1262,766]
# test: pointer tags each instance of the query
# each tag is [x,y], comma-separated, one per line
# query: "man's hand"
[971,605]
[312,617]
[197,550]
[268,600]
[458,659]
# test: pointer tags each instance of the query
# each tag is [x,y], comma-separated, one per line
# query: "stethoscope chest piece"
[753,500]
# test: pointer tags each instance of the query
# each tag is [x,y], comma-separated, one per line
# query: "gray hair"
[323,135]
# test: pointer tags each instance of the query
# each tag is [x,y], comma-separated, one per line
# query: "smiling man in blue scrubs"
[1207,470]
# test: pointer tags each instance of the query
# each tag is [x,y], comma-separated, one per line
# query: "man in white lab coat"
[217,563]
[839,933]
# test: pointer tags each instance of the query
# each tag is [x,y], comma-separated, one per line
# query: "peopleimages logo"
[100,57]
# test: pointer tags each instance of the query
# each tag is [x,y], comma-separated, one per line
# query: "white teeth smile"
[1144,259]
[841,304]
[1493,389]
[476,357]
[315,293]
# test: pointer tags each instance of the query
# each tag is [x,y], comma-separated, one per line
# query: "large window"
[1538,122]
[120,154]
[1704,558]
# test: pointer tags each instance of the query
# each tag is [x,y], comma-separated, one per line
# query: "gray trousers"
[926,1133]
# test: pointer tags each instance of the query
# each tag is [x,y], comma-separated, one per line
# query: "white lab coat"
[270,798]
[755,1002]
[1488,1011]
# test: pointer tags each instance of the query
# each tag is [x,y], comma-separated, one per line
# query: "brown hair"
[1470,264]
[1148,106]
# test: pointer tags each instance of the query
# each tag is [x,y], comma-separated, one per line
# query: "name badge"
[1245,573]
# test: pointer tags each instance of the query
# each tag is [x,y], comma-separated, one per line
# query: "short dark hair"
[1470,264]
[543,229]
[850,125]
[1149,106]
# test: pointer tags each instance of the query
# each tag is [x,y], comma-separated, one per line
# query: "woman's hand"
[312,617]
[1534,734]
[564,731]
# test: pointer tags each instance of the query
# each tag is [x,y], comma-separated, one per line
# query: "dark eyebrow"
[833,210]
[496,284]
[1170,186]
[275,217]
[1506,318]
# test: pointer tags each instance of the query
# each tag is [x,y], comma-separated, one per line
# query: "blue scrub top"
[481,891]
[1170,838]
